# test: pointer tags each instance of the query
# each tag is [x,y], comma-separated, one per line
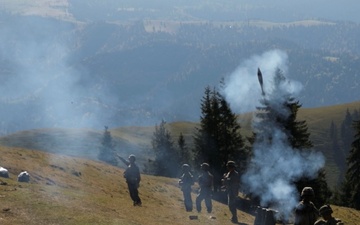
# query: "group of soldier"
[305,212]
[231,181]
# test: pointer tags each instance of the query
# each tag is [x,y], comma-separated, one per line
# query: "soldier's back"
[305,213]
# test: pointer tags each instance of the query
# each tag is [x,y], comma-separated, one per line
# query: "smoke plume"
[275,164]
[40,86]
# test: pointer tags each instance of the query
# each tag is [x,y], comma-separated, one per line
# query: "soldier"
[328,219]
[132,176]
[305,212]
[185,182]
[205,181]
[231,182]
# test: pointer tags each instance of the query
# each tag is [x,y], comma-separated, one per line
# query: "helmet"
[205,166]
[230,164]
[132,157]
[307,191]
[325,209]
[185,166]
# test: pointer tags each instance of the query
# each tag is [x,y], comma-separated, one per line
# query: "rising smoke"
[275,165]
[40,86]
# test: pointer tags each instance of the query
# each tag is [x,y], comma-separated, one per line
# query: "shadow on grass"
[244,205]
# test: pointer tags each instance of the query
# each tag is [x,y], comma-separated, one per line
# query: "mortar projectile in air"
[261,81]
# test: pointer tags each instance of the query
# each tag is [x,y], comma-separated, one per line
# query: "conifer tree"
[218,138]
[339,156]
[106,152]
[167,162]
[351,187]
[204,139]
[183,149]
[347,133]
[231,143]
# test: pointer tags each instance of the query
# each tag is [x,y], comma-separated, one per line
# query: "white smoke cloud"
[242,88]
[275,165]
[40,77]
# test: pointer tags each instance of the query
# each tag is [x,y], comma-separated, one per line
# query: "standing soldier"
[185,182]
[232,183]
[205,182]
[305,212]
[132,176]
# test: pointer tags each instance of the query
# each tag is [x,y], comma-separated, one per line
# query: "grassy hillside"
[67,190]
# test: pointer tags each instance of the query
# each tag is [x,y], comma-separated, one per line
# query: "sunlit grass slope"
[66,190]
[70,191]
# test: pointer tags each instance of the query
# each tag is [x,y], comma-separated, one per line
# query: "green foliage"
[184,152]
[218,138]
[167,162]
[106,152]
[341,145]
[350,194]
[339,158]
[346,132]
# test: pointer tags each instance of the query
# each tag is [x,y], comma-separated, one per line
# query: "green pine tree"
[338,154]
[107,148]
[231,143]
[218,138]
[167,160]
[351,187]
[185,156]
[347,133]
[204,140]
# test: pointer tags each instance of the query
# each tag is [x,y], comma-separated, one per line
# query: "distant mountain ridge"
[277,10]
[91,72]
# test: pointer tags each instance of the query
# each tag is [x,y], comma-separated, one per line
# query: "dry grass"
[67,190]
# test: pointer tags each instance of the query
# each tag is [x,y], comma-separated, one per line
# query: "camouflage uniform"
[205,182]
[132,176]
[185,182]
[232,183]
[305,212]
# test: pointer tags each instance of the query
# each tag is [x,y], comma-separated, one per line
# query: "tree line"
[345,145]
